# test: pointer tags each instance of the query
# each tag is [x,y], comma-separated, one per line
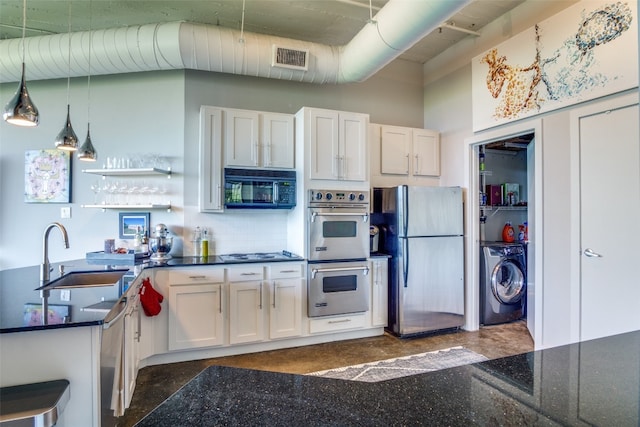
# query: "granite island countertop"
[19,294]
[593,383]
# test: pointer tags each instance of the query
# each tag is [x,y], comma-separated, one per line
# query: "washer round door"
[507,282]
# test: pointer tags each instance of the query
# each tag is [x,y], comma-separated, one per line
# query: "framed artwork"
[131,222]
[47,176]
[587,51]
[58,314]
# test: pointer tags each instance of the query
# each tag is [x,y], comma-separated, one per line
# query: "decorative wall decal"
[47,176]
[587,51]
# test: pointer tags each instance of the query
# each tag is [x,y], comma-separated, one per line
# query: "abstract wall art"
[587,51]
[47,176]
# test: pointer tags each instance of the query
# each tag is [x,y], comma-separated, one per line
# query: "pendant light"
[87,151]
[20,110]
[67,139]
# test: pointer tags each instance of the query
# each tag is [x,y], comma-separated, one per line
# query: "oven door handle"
[365,216]
[315,271]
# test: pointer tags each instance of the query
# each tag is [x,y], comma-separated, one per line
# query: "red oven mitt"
[150,299]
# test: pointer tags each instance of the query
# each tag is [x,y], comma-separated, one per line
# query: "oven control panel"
[338,197]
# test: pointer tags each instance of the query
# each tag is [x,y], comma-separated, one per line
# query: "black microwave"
[259,189]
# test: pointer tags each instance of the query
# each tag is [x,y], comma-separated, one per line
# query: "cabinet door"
[323,144]
[210,159]
[277,141]
[379,292]
[285,312]
[195,316]
[395,147]
[246,312]
[352,157]
[426,152]
[241,129]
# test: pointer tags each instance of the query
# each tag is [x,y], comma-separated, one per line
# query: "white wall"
[136,113]
[445,76]
[159,112]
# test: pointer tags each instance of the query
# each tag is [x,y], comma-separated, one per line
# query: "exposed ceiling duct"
[179,45]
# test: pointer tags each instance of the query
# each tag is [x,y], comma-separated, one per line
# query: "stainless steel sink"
[86,279]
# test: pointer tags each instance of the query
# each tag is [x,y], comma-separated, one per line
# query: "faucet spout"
[45,267]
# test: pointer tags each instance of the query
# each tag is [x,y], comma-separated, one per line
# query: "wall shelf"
[129,172]
[104,207]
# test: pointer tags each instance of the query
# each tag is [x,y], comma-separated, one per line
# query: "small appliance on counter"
[161,243]
[374,234]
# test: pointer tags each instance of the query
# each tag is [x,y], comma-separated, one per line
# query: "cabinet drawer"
[194,276]
[285,270]
[336,323]
[242,274]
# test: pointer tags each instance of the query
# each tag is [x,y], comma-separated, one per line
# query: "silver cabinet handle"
[591,254]
[275,289]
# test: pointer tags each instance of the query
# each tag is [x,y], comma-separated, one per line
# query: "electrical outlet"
[65,295]
[65,212]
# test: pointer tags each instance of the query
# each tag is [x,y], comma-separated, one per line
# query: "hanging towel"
[150,298]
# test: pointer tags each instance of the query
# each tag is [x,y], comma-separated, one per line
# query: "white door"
[609,216]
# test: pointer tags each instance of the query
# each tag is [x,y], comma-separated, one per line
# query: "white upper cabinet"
[337,143]
[402,155]
[277,141]
[241,136]
[210,160]
[426,152]
[255,139]
[395,150]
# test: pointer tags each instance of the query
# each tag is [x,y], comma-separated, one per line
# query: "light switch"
[65,295]
[65,212]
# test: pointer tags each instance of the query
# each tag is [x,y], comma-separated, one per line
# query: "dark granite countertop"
[19,295]
[593,383]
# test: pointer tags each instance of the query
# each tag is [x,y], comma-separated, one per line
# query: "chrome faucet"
[45,267]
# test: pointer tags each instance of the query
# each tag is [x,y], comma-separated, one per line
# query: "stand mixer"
[161,243]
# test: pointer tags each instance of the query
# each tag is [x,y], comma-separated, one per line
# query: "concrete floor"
[157,383]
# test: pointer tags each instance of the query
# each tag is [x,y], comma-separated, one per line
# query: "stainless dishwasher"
[113,361]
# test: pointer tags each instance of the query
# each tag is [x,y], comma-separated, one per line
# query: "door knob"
[591,254]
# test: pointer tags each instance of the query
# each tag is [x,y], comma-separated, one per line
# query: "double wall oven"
[337,251]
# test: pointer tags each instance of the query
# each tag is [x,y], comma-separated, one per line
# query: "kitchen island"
[583,384]
[71,345]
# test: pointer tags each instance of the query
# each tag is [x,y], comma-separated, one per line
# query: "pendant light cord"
[69,51]
[24,26]
[89,74]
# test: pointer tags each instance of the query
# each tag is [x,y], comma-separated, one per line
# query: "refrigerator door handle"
[405,262]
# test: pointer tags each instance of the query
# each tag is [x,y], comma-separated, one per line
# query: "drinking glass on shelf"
[96,187]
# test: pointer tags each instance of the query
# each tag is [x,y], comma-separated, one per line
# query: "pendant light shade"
[67,139]
[87,152]
[20,110]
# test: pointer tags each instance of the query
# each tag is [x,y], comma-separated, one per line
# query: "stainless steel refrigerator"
[423,233]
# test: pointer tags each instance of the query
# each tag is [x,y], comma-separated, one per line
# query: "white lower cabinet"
[286,282]
[246,304]
[196,316]
[326,324]
[379,291]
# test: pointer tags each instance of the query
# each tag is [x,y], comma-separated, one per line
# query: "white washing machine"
[502,282]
